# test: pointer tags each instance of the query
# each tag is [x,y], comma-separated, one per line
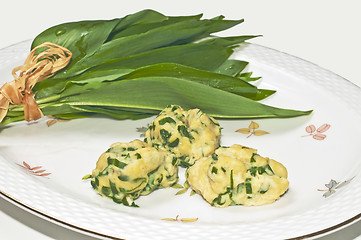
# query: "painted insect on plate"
[332,186]
[36,171]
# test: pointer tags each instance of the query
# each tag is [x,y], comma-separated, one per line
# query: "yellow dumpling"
[189,135]
[237,175]
[127,170]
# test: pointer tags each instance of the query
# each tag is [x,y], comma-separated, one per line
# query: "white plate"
[66,151]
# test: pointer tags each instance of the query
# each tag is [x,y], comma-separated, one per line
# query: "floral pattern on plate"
[317,133]
[252,130]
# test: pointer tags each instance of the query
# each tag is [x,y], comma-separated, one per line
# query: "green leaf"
[173,34]
[150,20]
[216,80]
[231,67]
[130,21]
[82,38]
[205,55]
[261,94]
[247,76]
[155,93]
[133,67]
[213,54]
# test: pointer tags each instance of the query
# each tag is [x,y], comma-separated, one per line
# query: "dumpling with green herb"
[237,175]
[189,135]
[128,170]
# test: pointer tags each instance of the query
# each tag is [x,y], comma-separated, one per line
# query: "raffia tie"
[37,67]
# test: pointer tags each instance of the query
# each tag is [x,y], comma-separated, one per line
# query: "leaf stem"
[48,99]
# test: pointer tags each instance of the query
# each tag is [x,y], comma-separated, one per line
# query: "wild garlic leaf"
[155,93]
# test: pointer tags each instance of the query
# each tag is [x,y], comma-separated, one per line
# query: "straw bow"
[37,67]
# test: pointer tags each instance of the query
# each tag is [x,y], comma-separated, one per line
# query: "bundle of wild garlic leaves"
[133,67]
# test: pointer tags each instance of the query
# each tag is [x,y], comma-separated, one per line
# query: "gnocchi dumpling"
[188,135]
[237,175]
[128,170]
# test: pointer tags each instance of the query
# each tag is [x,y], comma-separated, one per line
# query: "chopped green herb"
[155,145]
[116,162]
[268,170]
[143,179]
[123,178]
[165,135]
[93,184]
[113,187]
[248,186]
[175,107]
[214,122]
[240,187]
[125,202]
[214,170]
[195,131]
[183,162]
[182,129]
[174,161]
[104,172]
[96,180]
[220,200]
[253,171]
[107,191]
[252,158]
[261,170]
[174,143]
[118,200]
[263,189]
[87,177]
[151,127]
[166,120]
[184,190]
[177,186]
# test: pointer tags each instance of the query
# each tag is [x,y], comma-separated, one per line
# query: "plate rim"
[38,213]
